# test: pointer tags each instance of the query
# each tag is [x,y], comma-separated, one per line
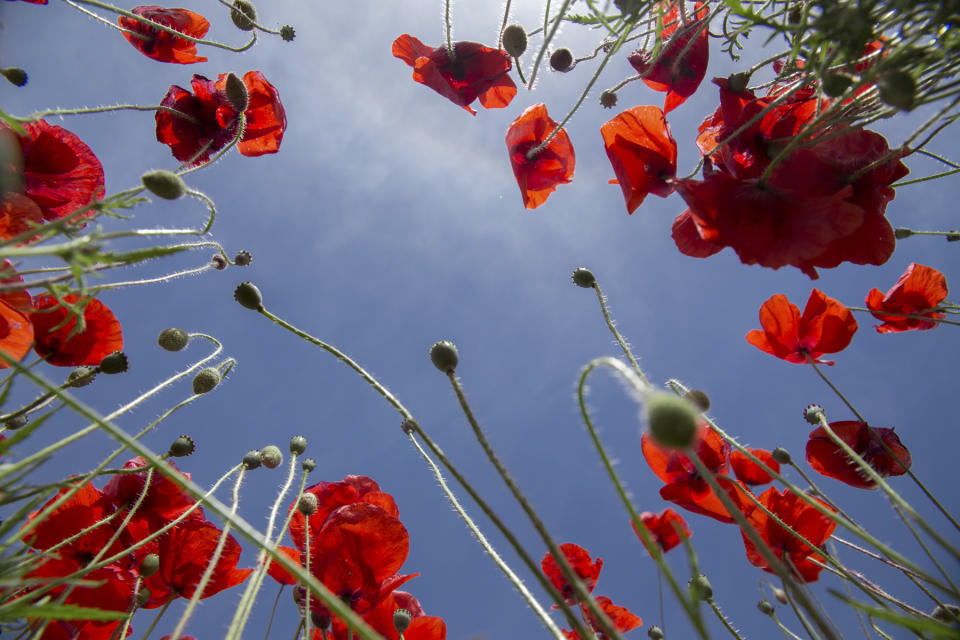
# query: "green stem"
[159,615]
[620,340]
[723,619]
[548,36]
[105,109]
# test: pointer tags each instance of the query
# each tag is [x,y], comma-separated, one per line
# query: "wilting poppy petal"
[826,326]
[827,458]
[622,618]
[686,236]
[667,529]
[918,290]
[19,299]
[642,152]
[582,564]
[102,336]
[748,471]
[537,177]
[161,45]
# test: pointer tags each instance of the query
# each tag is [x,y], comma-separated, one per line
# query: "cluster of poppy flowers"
[356,545]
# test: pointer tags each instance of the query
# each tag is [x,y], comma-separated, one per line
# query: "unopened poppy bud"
[583,277]
[898,89]
[781,455]
[149,565]
[206,380]
[16,75]
[116,362]
[17,422]
[946,613]
[780,595]
[307,504]
[272,456]
[671,419]
[655,633]
[308,465]
[243,14]
[835,84]
[164,184]
[287,33]
[242,259]
[608,99]
[796,13]
[408,426]
[561,60]
[219,262]
[182,446]
[236,93]
[173,339]
[698,398]
[81,377]
[143,596]
[813,413]
[252,460]
[902,232]
[444,356]
[320,620]
[953,236]
[249,296]
[700,588]
[514,40]
[401,620]
[765,607]
[298,444]
[737,82]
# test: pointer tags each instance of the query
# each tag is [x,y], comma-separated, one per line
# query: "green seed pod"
[173,339]
[898,89]
[781,455]
[248,295]
[243,14]
[287,33]
[672,420]
[149,565]
[242,259]
[737,82]
[182,446]
[835,85]
[765,607]
[902,232]
[514,40]
[308,465]
[116,362]
[206,380]
[698,398]
[15,423]
[164,184]
[16,75]
[298,444]
[946,613]
[272,456]
[143,596]
[583,277]
[401,620]
[236,93]
[608,99]
[307,504]
[444,356]
[700,588]
[812,413]
[561,60]
[655,633]
[252,460]
[81,377]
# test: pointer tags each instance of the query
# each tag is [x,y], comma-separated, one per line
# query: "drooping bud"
[699,399]
[219,262]
[700,588]
[765,607]
[812,413]
[898,89]
[16,75]
[561,60]
[298,444]
[444,356]
[671,419]
[252,459]
[149,565]
[835,85]
[182,446]
[308,465]
[242,259]
[206,380]
[17,422]
[116,362]
[953,236]
[781,455]
[164,184]
[287,33]
[401,620]
[307,504]
[320,620]
[272,456]
[655,633]
[514,40]
[946,613]
[583,277]
[249,296]
[143,596]
[173,339]
[737,82]
[236,93]
[243,14]
[902,232]
[81,377]
[780,595]
[608,99]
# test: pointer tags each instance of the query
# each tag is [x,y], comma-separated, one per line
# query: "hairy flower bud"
[307,504]
[655,633]
[17,422]
[700,588]
[242,259]
[248,295]
[898,89]
[116,362]
[765,607]
[164,184]
[219,262]
[81,376]
[781,455]
[583,277]
[902,232]
[514,40]
[401,620]
[272,456]
[698,398]
[16,75]
[236,93]
[298,444]
[173,339]
[835,85]
[780,595]
[149,565]
[737,82]
[243,14]
[812,414]
[206,380]
[308,465]
[561,60]
[252,459]
[672,420]
[182,446]
[444,356]
[608,99]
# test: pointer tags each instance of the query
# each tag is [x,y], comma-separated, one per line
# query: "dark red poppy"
[748,471]
[52,332]
[682,62]
[642,152]
[35,1]
[582,564]
[826,326]
[475,72]
[333,495]
[797,515]
[84,630]
[211,121]
[827,458]
[553,165]
[161,45]
[667,529]
[16,333]
[621,617]
[18,213]
[918,290]
[422,626]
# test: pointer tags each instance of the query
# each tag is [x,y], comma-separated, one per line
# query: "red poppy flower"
[826,326]
[642,152]
[36,1]
[212,121]
[422,626]
[621,617]
[18,213]
[16,333]
[161,45]
[333,495]
[278,573]
[586,569]
[553,165]
[475,72]
[667,529]
[102,336]
[827,458]
[799,516]
[748,471]
[17,298]
[682,63]
[918,290]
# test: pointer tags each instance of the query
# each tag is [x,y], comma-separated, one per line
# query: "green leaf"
[54,611]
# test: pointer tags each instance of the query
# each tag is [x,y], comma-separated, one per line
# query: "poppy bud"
[272,456]
[898,89]
[902,232]
[149,565]
[116,362]
[249,296]
[401,620]
[444,356]
[320,620]
[946,613]
[561,60]
[164,184]
[514,40]
[780,595]
[81,377]
[796,14]
[765,607]
[173,339]
[583,277]
[737,82]
[143,596]
[698,398]
[953,236]
[408,426]
[608,99]
[252,459]
[17,76]
[236,93]
[17,422]
[219,262]
[835,84]
[206,380]
[182,446]
[307,504]
[672,420]
[287,33]
[781,455]
[308,465]
[700,588]
[813,413]
[298,444]
[655,633]
[242,259]
[243,14]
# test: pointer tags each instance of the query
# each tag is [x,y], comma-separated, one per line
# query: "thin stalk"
[723,619]
[620,340]
[159,615]
[448,27]
[105,109]
[548,36]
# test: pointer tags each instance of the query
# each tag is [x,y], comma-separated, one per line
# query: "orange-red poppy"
[668,529]
[582,564]
[539,175]
[622,618]
[161,45]
[748,471]
[918,290]
[827,458]
[52,332]
[642,152]
[16,333]
[826,326]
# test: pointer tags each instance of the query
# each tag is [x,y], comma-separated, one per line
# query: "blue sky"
[389,220]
